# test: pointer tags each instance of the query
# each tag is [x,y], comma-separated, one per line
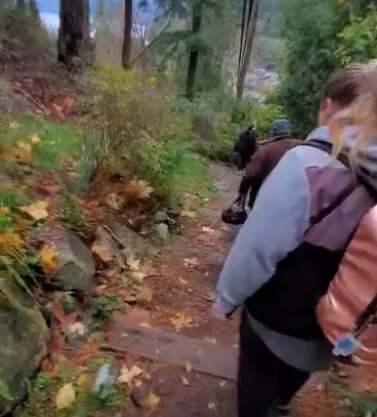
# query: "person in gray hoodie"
[291,244]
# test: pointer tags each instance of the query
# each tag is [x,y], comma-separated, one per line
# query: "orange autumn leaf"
[10,242]
[48,259]
[138,189]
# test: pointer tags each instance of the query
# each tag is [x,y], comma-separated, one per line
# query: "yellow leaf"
[65,397]
[189,214]
[34,138]
[180,320]
[48,259]
[152,400]
[10,242]
[4,211]
[128,375]
[13,125]
[25,146]
[83,379]
[37,211]
[152,80]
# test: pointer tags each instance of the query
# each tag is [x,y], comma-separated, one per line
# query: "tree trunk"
[127,39]
[194,51]
[21,4]
[74,32]
[34,10]
[248,49]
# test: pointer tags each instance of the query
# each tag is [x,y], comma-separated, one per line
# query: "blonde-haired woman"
[289,248]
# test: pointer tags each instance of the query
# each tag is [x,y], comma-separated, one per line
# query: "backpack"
[347,313]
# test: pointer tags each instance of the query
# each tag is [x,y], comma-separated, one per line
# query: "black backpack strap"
[341,157]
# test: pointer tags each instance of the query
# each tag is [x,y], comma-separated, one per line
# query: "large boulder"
[23,335]
[75,264]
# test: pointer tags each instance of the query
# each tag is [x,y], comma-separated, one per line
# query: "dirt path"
[182,282]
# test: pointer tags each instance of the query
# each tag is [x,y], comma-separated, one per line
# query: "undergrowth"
[355,404]
[141,134]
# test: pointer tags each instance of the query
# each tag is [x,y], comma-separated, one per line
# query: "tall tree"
[197,16]
[127,38]
[34,10]
[309,30]
[74,32]
[249,39]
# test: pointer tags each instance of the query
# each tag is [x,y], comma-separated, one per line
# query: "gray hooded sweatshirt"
[305,180]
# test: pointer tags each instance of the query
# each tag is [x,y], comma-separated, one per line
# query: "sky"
[49,12]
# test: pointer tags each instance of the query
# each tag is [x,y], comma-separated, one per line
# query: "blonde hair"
[354,91]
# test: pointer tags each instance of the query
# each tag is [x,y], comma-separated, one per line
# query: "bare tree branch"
[142,52]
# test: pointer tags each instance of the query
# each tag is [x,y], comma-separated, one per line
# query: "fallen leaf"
[48,259]
[207,229]
[212,406]
[65,397]
[78,328]
[190,262]
[152,400]
[37,211]
[114,201]
[4,211]
[189,214]
[128,375]
[13,125]
[83,379]
[133,264]
[136,276]
[138,189]
[185,381]
[145,294]
[34,138]
[211,340]
[10,243]
[104,253]
[183,281]
[24,146]
[188,367]
[152,80]
[181,320]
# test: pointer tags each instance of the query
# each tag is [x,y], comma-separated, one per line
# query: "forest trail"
[189,358]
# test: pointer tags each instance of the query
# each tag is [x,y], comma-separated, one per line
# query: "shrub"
[138,131]
[264,114]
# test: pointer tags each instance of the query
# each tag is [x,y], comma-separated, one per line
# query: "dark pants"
[264,380]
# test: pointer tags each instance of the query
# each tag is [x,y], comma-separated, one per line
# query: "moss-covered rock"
[23,335]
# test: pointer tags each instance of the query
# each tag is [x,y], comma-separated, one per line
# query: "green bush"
[264,114]
[138,131]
